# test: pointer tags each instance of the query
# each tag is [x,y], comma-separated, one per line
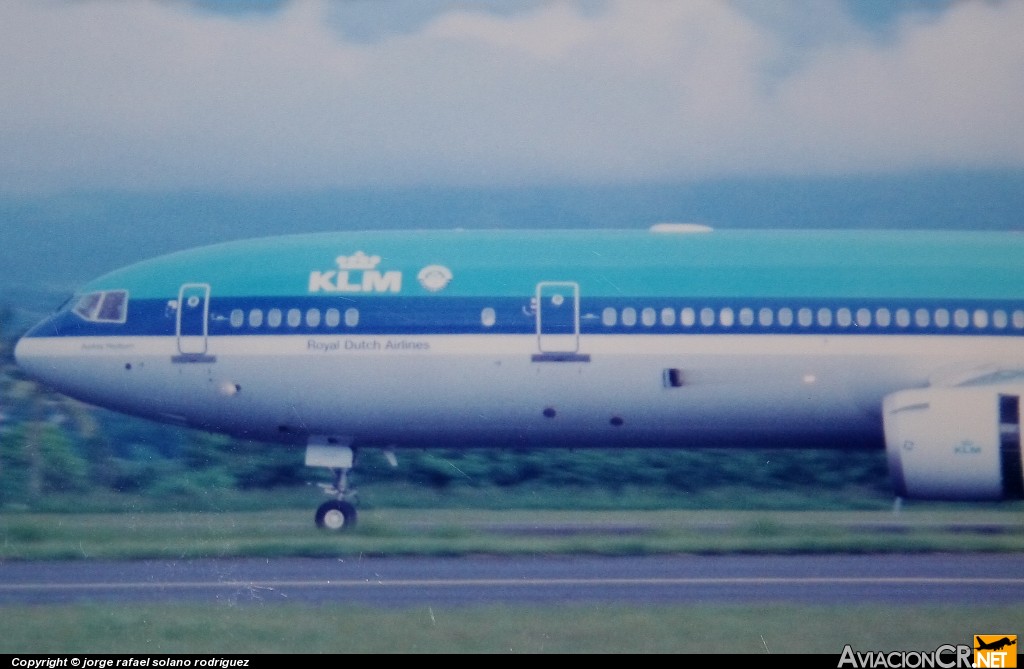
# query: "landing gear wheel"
[336,516]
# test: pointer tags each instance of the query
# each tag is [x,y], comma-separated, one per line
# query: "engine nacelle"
[956,443]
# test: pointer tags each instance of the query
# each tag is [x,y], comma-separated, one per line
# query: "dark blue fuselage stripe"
[462,315]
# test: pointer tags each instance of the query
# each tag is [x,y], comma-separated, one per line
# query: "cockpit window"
[87,304]
[114,307]
[110,306]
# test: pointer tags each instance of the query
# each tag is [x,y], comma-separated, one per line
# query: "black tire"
[336,516]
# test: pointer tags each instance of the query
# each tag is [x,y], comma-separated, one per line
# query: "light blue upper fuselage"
[721,264]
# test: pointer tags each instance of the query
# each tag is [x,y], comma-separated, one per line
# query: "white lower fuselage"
[470,390]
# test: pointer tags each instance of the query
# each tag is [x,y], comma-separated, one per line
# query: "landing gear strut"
[338,514]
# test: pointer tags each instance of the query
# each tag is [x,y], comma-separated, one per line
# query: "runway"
[465,581]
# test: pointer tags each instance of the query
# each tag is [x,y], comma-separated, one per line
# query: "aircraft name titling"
[356,273]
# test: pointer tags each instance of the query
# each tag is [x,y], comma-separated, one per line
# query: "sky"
[287,96]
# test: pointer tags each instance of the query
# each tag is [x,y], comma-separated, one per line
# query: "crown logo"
[357,260]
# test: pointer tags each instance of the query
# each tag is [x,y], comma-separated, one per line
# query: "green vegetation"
[450,532]
[244,622]
[249,627]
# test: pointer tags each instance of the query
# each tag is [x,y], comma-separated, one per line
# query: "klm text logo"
[356,273]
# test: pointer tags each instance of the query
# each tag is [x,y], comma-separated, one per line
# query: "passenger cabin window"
[110,306]
[904,318]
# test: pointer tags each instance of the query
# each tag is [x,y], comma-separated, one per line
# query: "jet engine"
[955,443]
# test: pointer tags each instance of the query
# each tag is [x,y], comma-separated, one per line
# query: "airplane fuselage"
[535,339]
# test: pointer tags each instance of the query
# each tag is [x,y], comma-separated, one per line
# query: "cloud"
[304,95]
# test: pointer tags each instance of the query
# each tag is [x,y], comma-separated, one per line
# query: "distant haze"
[55,242]
[130,129]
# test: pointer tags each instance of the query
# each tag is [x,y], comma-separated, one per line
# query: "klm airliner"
[673,336]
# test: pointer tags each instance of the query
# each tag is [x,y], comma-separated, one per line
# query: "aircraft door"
[558,317]
[193,314]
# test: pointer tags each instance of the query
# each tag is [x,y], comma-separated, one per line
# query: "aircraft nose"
[28,355]
[22,355]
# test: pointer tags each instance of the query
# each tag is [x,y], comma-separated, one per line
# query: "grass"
[253,628]
[250,630]
[389,532]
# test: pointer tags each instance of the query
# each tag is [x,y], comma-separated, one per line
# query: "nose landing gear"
[338,514]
